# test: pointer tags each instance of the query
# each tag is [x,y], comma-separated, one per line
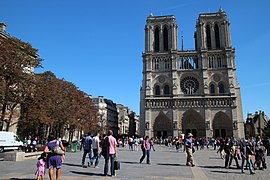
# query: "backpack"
[105,148]
[87,143]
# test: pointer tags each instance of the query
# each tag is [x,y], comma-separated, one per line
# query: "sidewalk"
[166,164]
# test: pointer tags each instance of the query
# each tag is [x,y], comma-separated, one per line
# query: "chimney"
[3,27]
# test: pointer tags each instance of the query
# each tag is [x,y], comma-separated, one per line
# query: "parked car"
[9,141]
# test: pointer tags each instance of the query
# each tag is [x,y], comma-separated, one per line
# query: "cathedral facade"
[190,90]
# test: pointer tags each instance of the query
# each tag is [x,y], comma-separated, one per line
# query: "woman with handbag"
[54,149]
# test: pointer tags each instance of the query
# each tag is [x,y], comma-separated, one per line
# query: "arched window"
[195,37]
[165,39]
[166,90]
[157,90]
[156,42]
[221,88]
[212,89]
[208,37]
[217,37]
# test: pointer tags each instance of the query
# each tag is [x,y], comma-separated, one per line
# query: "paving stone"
[166,164]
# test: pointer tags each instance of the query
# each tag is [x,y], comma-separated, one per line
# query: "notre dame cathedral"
[190,90]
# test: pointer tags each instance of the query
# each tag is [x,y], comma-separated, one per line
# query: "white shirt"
[95,142]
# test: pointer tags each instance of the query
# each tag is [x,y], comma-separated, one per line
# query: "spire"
[182,40]
[220,10]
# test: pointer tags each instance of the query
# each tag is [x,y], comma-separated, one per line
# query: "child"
[41,164]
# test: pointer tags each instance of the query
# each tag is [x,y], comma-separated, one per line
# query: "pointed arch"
[157,90]
[208,37]
[156,39]
[162,126]
[222,125]
[217,39]
[212,89]
[166,90]
[193,122]
[221,88]
[165,39]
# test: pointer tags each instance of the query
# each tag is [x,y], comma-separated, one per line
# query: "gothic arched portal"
[162,126]
[193,122]
[222,125]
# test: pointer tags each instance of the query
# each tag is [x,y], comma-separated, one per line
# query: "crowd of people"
[248,153]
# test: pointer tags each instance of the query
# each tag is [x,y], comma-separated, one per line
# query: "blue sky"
[97,45]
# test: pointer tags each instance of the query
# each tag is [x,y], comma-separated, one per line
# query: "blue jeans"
[90,154]
[106,165]
[147,154]
[248,163]
[96,157]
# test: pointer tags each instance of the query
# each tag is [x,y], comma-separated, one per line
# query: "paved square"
[166,163]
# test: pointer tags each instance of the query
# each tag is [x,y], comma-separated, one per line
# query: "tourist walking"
[109,152]
[245,155]
[227,150]
[87,143]
[96,149]
[188,148]
[233,154]
[41,166]
[151,141]
[53,159]
[145,150]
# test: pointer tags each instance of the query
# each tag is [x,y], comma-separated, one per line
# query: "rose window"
[189,85]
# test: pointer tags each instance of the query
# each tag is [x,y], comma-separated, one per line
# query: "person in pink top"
[145,150]
[41,166]
[110,143]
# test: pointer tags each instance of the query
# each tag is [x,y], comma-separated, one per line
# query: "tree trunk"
[3,113]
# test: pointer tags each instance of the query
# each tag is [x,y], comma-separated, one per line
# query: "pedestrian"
[152,144]
[54,159]
[233,155]
[109,152]
[41,166]
[87,149]
[136,144]
[130,143]
[245,153]
[188,148]
[96,149]
[227,150]
[145,150]
[259,154]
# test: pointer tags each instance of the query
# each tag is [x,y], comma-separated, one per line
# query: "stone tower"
[190,90]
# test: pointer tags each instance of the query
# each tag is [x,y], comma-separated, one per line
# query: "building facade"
[190,90]
[255,124]
[123,119]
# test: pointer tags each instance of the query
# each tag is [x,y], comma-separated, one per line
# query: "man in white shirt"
[96,149]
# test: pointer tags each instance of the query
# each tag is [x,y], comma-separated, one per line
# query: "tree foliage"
[57,107]
[17,60]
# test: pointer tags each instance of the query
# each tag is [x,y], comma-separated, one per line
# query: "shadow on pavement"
[226,172]
[212,167]
[87,173]
[166,164]
[214,158]
[68,164]
[21,179]
[129,162]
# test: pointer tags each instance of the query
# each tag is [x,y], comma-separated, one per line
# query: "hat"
[189,135]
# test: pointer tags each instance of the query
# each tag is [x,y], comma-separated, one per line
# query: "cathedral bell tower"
[187,91]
